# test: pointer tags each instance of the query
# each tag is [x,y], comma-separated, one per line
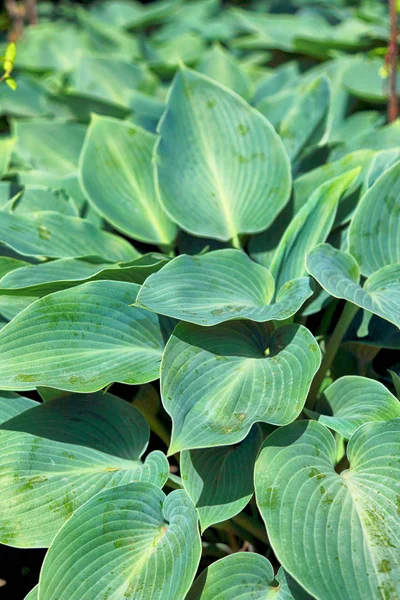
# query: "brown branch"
[17,13]
[31,11]
[391,61]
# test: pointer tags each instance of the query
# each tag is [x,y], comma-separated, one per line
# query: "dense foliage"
[200,302]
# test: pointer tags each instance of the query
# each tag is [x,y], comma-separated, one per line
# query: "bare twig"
[391,62]
[31,12]
[18,12]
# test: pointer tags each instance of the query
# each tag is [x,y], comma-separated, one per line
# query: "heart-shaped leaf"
[339,274]
[57,455]
[55,235]
[351,401]
[374,236]
[310,226]
[221,168]
[219,481]
[337,534]
[128,542]
[217,382]
[116,173]
[53,276]
[244,575]
[220,286]
[80,340]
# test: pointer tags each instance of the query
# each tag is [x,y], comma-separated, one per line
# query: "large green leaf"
[304,123]
[81,339]
[57,455]
[217,382]
[51,234]
[337,534]
[352,401]
[221,168]
[220,286]
[339,274]
[310,226]
[362,78]
[219,481]
[50,146]
[128,542]
[52,276]
[33,594]
[222,66]
[116,173]
[374,236]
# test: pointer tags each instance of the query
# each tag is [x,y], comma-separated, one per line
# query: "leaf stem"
[235,241]
[252,526]
[155,425]
[332,346]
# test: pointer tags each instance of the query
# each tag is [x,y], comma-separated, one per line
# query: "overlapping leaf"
[116,173]
[220,286]
[53,276]
[55,235]
[57,455]
[81,339]
[310,226]
[217,382]
[374,237]
[219,481]
[337,534]
[128,542]
[244,575]
[352,401]
[339,274]
[218,181]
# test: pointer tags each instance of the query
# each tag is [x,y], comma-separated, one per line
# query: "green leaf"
[33,594]
[80,340]
[217,382]
[57,455]
[220,286]
[12,404]
[219,481]
[51,234]
[116,174]
[352,401]
[339,274]
[363,80]
[345,525]
[244,575]
[310,226]
[39,145]
[6,148]
[304,123]
[305,185]
[374,236]
[110,79]
[128,542]
[222,66]
[53,276]
[221,168]
[36,198]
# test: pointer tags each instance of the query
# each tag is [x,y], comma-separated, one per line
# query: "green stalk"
[252,526]
[235,241]
[332,347]
[155,425]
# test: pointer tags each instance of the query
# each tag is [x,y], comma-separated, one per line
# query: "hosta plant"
[200,303]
